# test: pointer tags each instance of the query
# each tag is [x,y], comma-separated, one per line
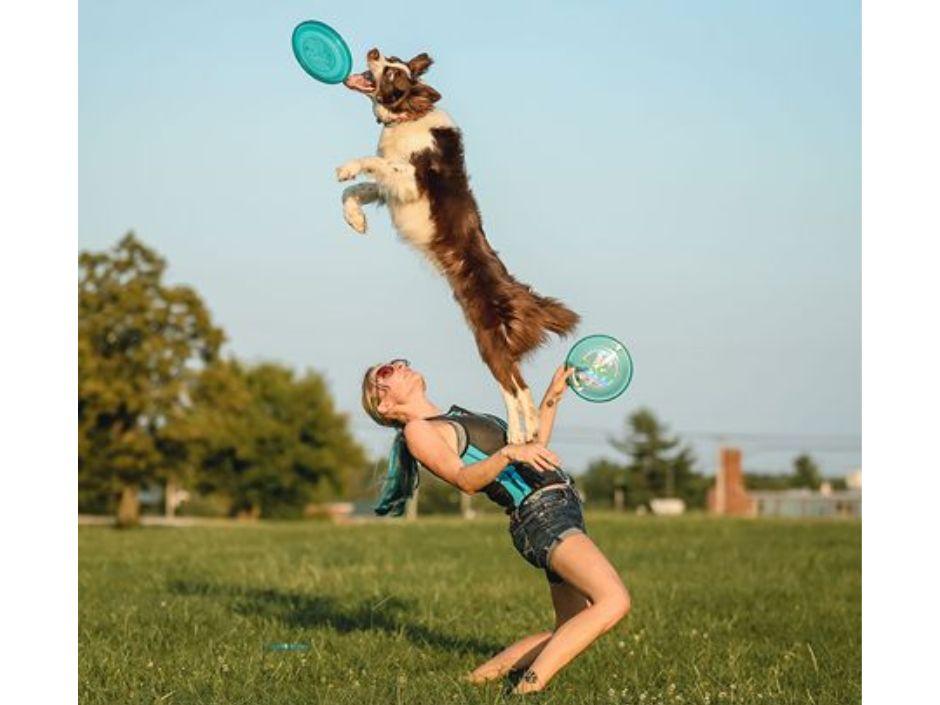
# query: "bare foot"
[528,683]
[478,678]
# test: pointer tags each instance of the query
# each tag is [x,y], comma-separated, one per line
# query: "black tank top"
[481,435]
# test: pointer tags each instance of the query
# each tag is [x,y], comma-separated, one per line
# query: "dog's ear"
[421,63]
[421,97]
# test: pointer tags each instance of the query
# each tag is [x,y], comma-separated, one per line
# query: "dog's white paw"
[349,170]
[515,436]
[353,215]
[530,429]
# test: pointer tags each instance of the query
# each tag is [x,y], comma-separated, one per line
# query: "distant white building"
[807,503]
[667,506]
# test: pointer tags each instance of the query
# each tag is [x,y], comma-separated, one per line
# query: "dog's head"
[394,87]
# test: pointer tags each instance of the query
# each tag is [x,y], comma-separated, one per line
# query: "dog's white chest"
[413,221]
[398,143]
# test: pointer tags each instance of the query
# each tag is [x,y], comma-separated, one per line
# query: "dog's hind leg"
[515,434]
[530,414]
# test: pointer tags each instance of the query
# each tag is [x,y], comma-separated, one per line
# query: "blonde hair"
[401,475]
[370,401]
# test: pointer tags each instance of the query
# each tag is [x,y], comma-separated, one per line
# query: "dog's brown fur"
[507,317]
[421,175]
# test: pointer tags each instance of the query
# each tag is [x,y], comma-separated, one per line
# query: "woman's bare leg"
[567,602]
[583,566]
[525,650]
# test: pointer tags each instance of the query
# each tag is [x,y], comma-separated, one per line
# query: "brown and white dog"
[419,174]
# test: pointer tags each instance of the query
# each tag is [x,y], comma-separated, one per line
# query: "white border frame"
[38,178]
[900,270]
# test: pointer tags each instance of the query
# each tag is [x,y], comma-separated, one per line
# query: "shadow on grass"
[296,609]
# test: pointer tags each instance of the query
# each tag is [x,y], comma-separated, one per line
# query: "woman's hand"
[558,386]
[534,454]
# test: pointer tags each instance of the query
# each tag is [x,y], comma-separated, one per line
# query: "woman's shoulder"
[417,431]
[421,427]
[417,427]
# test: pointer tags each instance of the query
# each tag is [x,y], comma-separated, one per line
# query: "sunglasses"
[386,370]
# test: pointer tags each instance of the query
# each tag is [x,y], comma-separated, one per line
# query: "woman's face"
[396,383]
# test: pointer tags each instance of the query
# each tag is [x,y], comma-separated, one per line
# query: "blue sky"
[686,176]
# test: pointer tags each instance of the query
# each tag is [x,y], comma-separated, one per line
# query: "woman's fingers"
[544,464]
[559,380]
[549,460]
[535,459]
[537,456]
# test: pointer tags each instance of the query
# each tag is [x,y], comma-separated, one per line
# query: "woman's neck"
[419,409]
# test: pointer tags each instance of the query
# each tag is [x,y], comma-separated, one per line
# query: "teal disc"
[603,367]
[287,646]
[321,52]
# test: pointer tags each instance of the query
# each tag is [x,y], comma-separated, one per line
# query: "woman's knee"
[616,606]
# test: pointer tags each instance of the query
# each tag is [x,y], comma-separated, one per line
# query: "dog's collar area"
[404,117]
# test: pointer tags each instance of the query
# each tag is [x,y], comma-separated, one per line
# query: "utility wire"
[783,441]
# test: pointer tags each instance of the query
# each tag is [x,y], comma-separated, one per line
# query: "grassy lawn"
[724,611]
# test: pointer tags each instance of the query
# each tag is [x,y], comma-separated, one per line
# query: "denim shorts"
[542,522]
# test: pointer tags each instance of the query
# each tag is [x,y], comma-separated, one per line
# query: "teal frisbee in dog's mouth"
[321,52]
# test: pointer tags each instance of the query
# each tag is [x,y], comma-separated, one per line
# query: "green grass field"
[724,611]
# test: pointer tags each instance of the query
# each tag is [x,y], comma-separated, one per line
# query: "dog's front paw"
[349,170]
[353,215]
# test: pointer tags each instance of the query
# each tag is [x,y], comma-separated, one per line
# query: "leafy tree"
[599,480]
[839,483]
[436,496]
[690,486]
[269,441]
[657,466]
[139,340]
[649,467]
[806,473]
[758,481]
[650,472]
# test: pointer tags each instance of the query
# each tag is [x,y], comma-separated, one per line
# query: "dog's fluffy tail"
[557,317]
[534,317]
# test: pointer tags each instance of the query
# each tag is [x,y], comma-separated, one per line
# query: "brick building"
[728,495]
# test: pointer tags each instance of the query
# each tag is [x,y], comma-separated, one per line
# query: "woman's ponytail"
[401,479]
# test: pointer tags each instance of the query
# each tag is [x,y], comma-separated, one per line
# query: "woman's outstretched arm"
[428,447]
[549,407]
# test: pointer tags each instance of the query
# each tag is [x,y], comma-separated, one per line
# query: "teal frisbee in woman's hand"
[603,368]
[321,52]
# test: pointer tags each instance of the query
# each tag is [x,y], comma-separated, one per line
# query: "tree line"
[648,463]
[159,405]
[655,464]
